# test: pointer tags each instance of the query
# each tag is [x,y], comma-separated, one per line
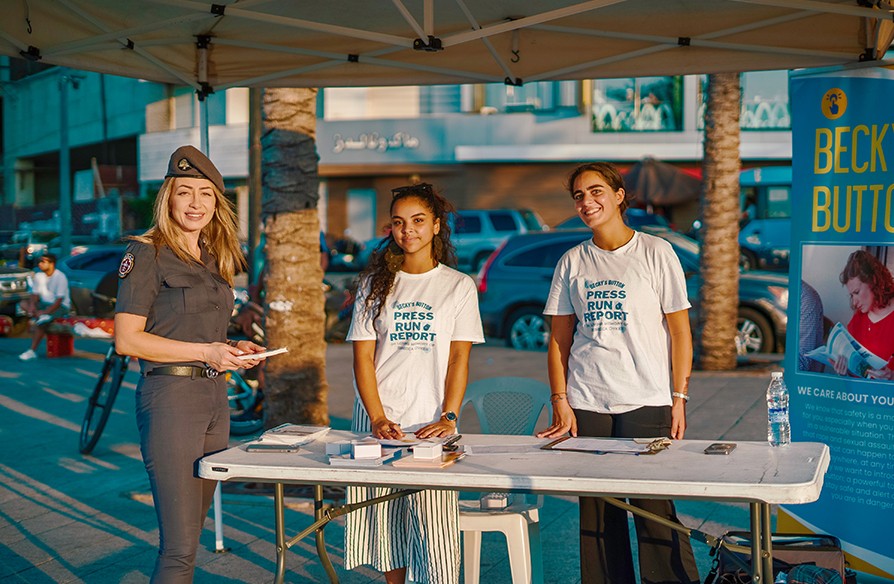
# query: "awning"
[330,43]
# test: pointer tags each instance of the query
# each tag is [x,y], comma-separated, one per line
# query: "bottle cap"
[776,375]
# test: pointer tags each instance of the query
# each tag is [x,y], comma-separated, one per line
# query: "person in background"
[49,300]
[415,320]
[619,361]
[810,327]
[175,297]
[870,288]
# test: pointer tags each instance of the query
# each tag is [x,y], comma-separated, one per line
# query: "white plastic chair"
[505,405]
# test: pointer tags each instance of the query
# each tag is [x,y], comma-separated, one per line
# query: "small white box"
[340,447]
[427,450]
[494,500]
[366,449]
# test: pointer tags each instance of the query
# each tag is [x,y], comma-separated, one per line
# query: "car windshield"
[532,220]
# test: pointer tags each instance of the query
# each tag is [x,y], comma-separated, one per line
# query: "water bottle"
[779,430]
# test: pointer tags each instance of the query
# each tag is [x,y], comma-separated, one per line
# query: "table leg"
[766,541]
[278,504]
[757,564]
[321,543]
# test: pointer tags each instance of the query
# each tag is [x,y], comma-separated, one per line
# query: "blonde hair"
[219,236]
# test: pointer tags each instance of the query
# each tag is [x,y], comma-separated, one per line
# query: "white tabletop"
[754,471]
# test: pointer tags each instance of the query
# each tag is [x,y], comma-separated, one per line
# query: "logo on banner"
[834,103]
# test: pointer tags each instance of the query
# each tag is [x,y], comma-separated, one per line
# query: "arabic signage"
[375,141]
[840,349]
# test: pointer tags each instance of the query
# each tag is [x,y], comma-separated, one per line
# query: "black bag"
[789,550]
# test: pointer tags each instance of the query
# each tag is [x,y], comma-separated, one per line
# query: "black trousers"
[665,555]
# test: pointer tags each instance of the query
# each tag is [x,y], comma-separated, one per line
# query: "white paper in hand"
[264,355]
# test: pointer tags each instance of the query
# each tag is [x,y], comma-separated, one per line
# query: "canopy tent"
[331,43]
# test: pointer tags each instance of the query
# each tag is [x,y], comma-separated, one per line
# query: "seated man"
[49,300]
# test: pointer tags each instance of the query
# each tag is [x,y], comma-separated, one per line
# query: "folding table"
[754,472]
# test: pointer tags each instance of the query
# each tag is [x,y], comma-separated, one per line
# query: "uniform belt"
[191,371]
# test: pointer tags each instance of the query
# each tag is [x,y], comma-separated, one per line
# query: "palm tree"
[296,388]
[719,293]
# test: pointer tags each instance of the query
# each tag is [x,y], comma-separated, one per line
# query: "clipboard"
[593,445]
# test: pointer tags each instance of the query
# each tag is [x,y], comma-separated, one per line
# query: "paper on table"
[504,449]
[293,434]
[621,446]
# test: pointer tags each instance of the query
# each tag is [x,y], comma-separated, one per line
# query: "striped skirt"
[419,531]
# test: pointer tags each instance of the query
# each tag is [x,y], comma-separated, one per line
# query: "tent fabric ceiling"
[333,43]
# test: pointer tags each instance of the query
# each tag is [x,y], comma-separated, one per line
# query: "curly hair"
[871,271]
[378,277]
[609,173]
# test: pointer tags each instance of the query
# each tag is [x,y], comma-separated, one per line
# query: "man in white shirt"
[50,299]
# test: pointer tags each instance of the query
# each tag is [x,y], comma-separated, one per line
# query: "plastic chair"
[505,405]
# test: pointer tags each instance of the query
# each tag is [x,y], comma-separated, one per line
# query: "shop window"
[765,102]
[641,104]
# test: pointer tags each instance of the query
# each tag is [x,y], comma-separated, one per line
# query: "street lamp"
[66,78]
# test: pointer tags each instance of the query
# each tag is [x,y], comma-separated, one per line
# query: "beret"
[189,161]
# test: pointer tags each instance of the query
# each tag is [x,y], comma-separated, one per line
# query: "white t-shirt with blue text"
[420,318]
[620,356]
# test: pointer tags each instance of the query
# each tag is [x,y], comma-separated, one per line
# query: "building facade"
[485,146]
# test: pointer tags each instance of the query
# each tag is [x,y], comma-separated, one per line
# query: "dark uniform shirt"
[181,301]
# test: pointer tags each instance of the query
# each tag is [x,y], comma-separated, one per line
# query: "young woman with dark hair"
[415,320]
[619,360]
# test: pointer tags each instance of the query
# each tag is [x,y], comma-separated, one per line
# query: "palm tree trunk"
[719,293]
[295,383]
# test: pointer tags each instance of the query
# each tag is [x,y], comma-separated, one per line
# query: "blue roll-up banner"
[840,341]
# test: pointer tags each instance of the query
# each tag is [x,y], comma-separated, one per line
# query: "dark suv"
[515,281]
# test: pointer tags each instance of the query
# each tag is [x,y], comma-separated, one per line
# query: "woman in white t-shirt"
[415,320]
[620,356]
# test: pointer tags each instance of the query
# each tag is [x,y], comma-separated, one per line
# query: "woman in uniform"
[174,302]
[414,323]
[619,359]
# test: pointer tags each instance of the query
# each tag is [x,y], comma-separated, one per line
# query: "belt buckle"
[211,372]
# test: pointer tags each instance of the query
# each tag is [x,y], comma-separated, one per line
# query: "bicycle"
[101,401]
[243,396]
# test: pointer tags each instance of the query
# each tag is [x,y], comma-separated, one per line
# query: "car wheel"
[747,261]
[527,330]
[754,333]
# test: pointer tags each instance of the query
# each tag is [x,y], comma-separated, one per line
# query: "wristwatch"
[449,416]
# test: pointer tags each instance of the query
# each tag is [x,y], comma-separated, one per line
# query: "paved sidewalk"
[71,518]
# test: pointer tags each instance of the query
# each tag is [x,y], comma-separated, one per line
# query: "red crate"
[60,345]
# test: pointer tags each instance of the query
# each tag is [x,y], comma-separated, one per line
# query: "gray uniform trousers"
[180,421]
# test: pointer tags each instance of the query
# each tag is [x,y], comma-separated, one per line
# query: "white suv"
[478,232]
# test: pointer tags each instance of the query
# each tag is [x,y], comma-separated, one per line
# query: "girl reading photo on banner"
[415,320]
[870,288]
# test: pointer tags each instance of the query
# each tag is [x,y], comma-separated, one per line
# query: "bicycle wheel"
[246,405]
[99,406]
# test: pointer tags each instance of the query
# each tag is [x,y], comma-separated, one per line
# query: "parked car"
[13,289]
[765,234]
[26,247]
[478,232]
[634,217]
[515,281]
[765,225]
[93,278]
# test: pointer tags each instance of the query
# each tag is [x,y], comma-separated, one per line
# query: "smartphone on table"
[720,448]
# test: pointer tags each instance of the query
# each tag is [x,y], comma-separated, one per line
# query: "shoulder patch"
[126,265]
